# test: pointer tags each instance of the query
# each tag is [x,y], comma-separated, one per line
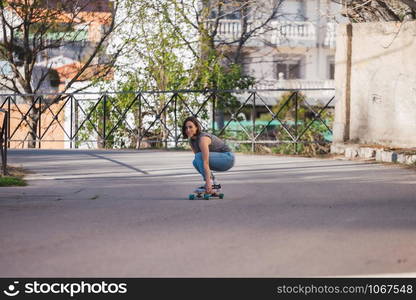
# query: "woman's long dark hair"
[196,123]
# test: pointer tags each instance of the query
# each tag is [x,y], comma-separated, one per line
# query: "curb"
[354,151]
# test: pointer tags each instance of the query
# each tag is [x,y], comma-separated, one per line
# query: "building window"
[331,67]
[54,78]
[291,10]
[331,71]
[288,69]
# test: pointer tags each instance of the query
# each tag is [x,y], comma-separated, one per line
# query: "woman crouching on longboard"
[211,153]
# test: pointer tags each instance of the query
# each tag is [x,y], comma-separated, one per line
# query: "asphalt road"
[126,214]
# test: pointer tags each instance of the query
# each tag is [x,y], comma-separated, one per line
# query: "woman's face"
[190,129]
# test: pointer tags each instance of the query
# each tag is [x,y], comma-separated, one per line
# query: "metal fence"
[153,119]
[3,140]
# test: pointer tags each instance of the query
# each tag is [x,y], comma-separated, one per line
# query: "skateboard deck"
[199,193]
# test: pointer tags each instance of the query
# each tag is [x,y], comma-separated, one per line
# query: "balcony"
[316,91]
[295,84]
[330,35]
[277,33]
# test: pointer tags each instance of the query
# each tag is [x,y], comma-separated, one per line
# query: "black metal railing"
[140,119]
[3,140]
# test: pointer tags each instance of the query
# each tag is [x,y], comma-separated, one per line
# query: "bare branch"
[13,89]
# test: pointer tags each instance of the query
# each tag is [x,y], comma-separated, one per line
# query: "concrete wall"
[377,105]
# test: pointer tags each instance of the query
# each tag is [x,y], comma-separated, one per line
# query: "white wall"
[383,84]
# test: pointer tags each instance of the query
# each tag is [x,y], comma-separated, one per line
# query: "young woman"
[211,153]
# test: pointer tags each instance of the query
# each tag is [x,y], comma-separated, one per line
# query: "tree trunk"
[32,121]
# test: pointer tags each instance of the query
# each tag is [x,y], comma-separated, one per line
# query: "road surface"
[126,214]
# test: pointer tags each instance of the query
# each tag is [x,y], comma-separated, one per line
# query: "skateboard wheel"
[191,197]
[206,197]
[221,196]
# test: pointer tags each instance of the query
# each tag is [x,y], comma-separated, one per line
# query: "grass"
[14,177]
[12,181]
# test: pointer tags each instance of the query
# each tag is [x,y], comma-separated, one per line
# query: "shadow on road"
[118,162]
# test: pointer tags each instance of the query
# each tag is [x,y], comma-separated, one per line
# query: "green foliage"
[131,115]
[12,181]
[296,135]
[160,49]
[213,74]
[118,132]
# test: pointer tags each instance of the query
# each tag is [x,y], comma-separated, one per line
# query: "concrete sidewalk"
[126,214]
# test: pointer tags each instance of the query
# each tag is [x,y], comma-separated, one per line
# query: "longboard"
[199,193]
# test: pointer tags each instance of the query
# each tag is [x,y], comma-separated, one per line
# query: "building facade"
[295,51]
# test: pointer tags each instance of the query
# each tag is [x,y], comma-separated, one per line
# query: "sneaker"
[214,186]
[200,189]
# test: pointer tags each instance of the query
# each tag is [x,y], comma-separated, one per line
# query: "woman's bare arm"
[203,145]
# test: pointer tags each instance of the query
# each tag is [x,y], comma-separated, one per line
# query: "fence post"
[40,119]
[176,122]
[76,121]
[4,141]
[6,137]
[104,119]
[253,117]
[214,99]
[71,122]
[296,122]
[8,122]
[139,131]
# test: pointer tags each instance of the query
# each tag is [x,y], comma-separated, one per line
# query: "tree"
[206,17]
[154,60]
[34,29]
[175,44]
[378,10]
[193,28]
[216,56]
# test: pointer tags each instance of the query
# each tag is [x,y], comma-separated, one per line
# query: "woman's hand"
[208,186]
